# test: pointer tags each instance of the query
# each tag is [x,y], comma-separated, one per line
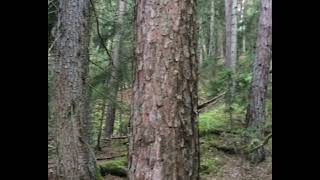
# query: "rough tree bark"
[75,157]
[115,78]
[164,141]
[259,86]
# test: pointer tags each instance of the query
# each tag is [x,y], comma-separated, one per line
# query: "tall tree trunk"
[115,78]
[242,13]
[164,141]
[76,159]
[234,30]
[211,37]
[231,50]
[259,86]
[231,34]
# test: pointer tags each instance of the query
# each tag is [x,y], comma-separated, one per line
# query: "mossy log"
[115,168]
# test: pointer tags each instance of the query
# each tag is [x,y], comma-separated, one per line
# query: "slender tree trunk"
[164,141]
[76,159]
[115,78]
[204,50]
[213,40]
[242,13]
[231,51]
[257,100]
[121,123]
[222,44]
[231,33]
[98,147]
[211,37]
[200,51]
[200,43]
[244,43]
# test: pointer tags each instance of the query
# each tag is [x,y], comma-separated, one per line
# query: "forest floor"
[219,159]
[221,165]
[236,168]
[215,164]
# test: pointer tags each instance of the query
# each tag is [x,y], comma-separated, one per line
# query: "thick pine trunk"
[115,78]
[258,93]
[75,157]
[164,135]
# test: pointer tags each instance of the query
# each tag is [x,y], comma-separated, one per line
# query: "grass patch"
[213,120]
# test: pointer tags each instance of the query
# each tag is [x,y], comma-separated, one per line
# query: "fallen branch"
[112,157]
[217,132]
[111,138]
[266,140]
[225,149]
[213,100]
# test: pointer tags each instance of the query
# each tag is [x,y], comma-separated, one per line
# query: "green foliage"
[216,120]
[122,121]
[213,120]
[220,83]
[98,173]
[51,151]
